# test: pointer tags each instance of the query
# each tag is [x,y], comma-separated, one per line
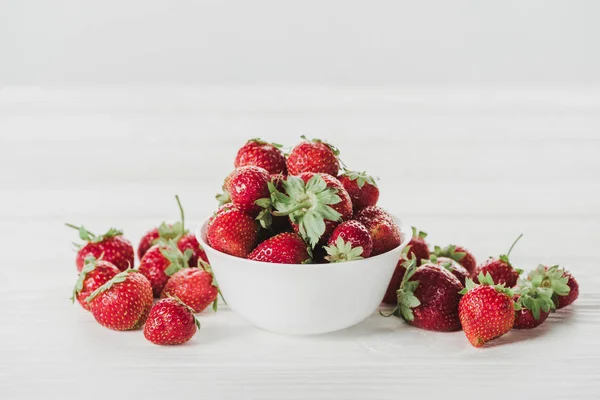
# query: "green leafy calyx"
[119,278]
[89,237]
[533,298]
[361,178]
[177,259]
[308,205]
[88,266]
[450,252]
[342,251]
[486,280]
[505,257]
[552,278]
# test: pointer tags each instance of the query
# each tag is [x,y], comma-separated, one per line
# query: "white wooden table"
[475,166]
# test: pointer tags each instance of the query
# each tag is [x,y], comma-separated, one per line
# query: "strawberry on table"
[170,322]
[564,286]
[315,204]
[459,254]
[486,311]
[382,227]
[176,232]
[391,296]
[123,302]
[194,286]
[361,187]
[262,154]
[418,246]
[452,266]
[94,274]
[428,297]
[233,232]
[313,156]
[162,261]
[501,269]
[284,248]
[112,246]
[349,241]
[532,304]
[246,185]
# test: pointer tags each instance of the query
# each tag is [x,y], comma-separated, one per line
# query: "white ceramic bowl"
[303,299]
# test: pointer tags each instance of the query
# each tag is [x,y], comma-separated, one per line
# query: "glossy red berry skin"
[284,248]
[500,271]
[147,241]
[468,261]
[125,305]
[563,301]
[356,234]
[189,241]
[454,268]
[153,266]
[261,154]
[419,249]
[485,314]
[116,250]
[246,185]
[233,232]
[390,296]
[102,273]
[524,318]
[193,286]
[362,197]
[316,157]
[169,323]
[382,227]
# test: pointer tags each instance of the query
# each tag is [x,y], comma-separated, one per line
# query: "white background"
[482,121]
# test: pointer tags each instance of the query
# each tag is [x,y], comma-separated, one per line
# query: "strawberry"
[261,154]
[123,302]
[418,246]
[486,311]
[94,274]
[349,241]
[532,304]
[162,261]
[565,287]
[361,187]
[233,232]
[313,156]
[194,286]
[111,246]
[501,269]
[271,223]
[246,185]
[315,204]
[391,296]
[284,248]
[428,297]
[176,232]
[452,266]
[170,322]
[382,227]
[459,254]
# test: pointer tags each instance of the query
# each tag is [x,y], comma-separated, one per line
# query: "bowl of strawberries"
[298,247]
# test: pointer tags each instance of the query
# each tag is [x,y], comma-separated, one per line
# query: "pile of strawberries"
[445,290]
[173,267]
[299,208]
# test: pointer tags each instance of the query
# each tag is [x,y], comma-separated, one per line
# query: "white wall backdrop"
[321,42]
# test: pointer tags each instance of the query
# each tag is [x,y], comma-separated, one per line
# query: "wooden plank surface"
[476,166]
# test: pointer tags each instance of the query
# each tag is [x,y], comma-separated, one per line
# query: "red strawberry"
[532,304]
[382,227]
[261,154]
[563,284]
[315,203]
[459,254]
[122,303]
[194,286]
[111,247]
[177,233]
[501,269]
[391,296]
[452,266]
[170,322]
[285,248]
[349,241]
[428,297]
[486,311]
[94,274]
[233,232]
[313,156]
[272,224]
[418,246]
[361,187]
[245,185]
[162,261]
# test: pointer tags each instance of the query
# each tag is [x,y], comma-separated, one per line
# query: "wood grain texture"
[475,166]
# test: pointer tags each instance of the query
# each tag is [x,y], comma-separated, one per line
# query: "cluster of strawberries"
[445,290]
[307,211]
[173,267]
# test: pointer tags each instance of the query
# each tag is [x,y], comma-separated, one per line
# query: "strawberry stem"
[181,213]
[513,245]
[305,204]
[79,228]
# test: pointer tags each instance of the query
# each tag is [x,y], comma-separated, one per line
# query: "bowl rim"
[406,235]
